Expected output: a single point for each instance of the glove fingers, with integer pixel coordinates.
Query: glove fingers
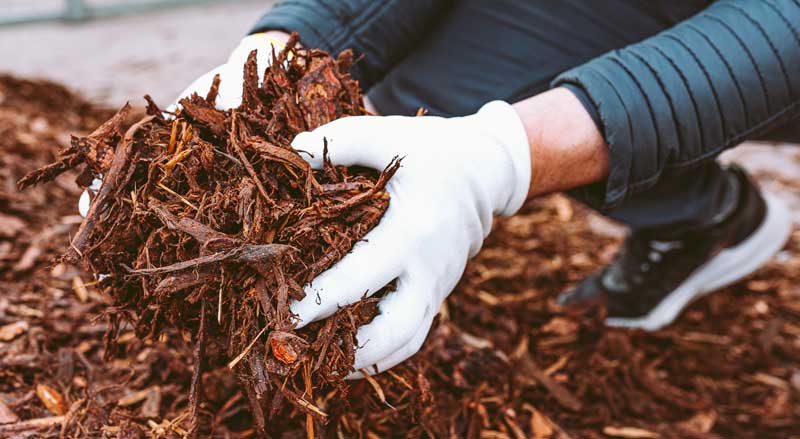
(230, 87)
(201, 86)
(263, 56)
(401, 315)
(85, 201)
(404, 353)
(373, 263)
(352, 141)
(411, 348)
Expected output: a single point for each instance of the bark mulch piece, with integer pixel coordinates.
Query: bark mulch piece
(502, 361)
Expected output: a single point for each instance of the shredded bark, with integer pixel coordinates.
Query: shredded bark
(178, 235)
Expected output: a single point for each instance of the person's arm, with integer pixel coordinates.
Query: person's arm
(608, 129)
(382, 32)
(566, 147)
(681, 97)
(561, 134)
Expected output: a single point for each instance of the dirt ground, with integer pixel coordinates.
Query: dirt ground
(729, 368)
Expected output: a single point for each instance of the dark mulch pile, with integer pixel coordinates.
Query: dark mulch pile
(502, 361)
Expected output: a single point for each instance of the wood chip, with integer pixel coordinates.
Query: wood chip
(492, 434)
(80, 289)
(561, 326)
(13, 330)
(10, 225)
(795, 380)
(540, 425)
(630, 433)
(702, 422)
(25, 311)
(7, 416)
(770, 380)
(52, 399)
(134, 398)
(555, 367)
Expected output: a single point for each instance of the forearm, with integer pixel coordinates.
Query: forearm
(567, 148)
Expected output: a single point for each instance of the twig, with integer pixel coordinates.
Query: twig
(219, 302)
(175, 194)
(243, 254)
(530, 369)
(247, 165)
(197, 377)
(172, 137)
(239, 357)
(302, 402)
(31, 425)
(228, 156)
(375, 386)
(111, 183)
(68, 418)
(310, 393)
(384, 177)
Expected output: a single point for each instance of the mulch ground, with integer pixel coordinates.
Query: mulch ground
(502, 361)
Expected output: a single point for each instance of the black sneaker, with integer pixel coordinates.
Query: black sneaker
(655, 276)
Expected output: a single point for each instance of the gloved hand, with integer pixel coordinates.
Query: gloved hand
(232, 72)
(230, 87)
(456, 174)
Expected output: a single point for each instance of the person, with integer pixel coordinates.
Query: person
(624, 104)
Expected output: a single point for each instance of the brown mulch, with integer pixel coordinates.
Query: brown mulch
(209, 222)
(502, 361)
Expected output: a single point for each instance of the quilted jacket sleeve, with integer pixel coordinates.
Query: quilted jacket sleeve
(678, 98)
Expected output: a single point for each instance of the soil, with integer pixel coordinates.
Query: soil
(502, 361)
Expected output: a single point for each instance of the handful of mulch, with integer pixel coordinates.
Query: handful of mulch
(210, 222)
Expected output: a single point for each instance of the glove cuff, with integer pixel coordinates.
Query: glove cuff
(502, 123)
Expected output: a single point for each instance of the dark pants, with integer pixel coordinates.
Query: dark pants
(511, 50)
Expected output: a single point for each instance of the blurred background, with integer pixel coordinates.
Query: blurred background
(113, 51)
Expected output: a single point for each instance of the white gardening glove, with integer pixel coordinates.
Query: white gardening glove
(456, 174)
(230, 87)
(232, 72)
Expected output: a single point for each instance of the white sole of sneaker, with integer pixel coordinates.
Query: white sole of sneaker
(727, 267)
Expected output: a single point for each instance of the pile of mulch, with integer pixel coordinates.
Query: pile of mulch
(502, 361)
(208, 221)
